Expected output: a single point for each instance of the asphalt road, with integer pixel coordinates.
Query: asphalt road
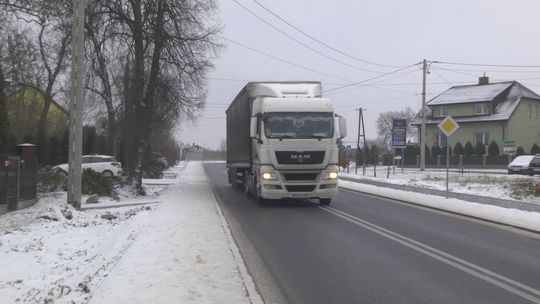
(364, 249)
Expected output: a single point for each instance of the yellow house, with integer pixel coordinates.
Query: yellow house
(24, 105)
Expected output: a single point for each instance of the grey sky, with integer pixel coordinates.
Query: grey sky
(396, 32)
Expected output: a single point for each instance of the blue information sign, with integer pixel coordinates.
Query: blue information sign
(399, 133)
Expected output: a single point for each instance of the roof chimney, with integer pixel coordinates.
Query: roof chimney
(483, 80)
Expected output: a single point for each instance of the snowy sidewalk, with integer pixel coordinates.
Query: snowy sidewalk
(176, 251)
(184, 254)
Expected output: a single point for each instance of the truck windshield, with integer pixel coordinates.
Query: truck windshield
(298, 125)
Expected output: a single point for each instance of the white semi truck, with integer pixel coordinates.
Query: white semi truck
(282, 141)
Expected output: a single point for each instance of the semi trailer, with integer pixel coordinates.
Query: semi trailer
(282, 141)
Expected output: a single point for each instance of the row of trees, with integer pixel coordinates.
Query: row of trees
(146, 62)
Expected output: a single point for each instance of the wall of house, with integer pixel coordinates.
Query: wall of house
(24, 110)
(523, 129)
(466, 133)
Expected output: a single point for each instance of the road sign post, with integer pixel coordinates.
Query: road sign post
(399, 139)
(448, 126)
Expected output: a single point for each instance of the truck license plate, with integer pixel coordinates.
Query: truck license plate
(300, 194)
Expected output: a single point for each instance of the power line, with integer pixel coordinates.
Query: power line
(250, 80)
(300, 42)
(488, 65)
(319, 41)
(285, 61)
(377, 101)
(369, 79)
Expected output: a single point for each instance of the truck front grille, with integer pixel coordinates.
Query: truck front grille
(300, 188)
(297, 157)
(300, 176)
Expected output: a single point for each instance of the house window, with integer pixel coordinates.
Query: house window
(440, 140)
(481, 137)
(481, 108)
(530, 110)
(440, 111)
(537, 111)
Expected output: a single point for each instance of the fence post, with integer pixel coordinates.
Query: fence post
(484, 161)
(438, 161)
(418, 161)
(461, 163)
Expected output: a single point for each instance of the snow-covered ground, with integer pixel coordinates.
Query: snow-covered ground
(513, 217)
(176, 248)
(513, 187)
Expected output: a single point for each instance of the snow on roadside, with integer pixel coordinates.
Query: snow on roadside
(518, 218)
(50, 251)
(502, 186)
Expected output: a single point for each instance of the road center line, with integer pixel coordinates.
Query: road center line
(498, 280)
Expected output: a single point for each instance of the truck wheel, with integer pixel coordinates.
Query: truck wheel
(246, 185)
(325, 201)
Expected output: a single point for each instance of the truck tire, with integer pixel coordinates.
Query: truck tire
(232, 179)
(325, 201)
(246, 185)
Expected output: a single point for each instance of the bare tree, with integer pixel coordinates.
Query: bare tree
(384, 124)
(52, 21)
(102, 45)
(171, 44)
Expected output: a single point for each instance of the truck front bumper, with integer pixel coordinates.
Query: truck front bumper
(284, 187)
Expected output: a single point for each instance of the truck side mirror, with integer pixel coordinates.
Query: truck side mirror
(342, 123)
(253, 129)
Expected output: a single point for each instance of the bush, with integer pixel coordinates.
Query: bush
(468, 149)
(479, 149)
(520, 151)
(535, 149)
(458, 149)
(374, 154)
(493, 149)
(50, 180)
(95, 183)
(443, 150)
(436, 150)
(153, 171)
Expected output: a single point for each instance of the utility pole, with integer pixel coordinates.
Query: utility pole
(357, 142)
(75, 109)
(423, 113)
(361, 133)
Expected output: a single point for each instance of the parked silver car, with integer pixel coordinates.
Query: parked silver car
(525, 164)
(104, 164)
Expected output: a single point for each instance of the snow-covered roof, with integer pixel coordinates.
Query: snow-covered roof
(470, 93)
(507, 94)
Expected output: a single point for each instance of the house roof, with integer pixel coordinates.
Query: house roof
(508, 93)
(11, 88)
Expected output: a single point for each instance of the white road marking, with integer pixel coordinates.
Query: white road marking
(510, 285)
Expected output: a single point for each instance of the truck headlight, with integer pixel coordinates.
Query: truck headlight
(331, 175)
(269, 176)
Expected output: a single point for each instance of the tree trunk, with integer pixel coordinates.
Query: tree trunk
(4, 125)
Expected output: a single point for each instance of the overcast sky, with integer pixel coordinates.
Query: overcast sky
(392, 34)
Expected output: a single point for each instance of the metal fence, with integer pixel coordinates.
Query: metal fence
(461, 161)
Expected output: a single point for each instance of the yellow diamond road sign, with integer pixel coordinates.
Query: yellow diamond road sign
(448, 125)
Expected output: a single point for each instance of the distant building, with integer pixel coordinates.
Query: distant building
(502, 111)
(24, 105)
